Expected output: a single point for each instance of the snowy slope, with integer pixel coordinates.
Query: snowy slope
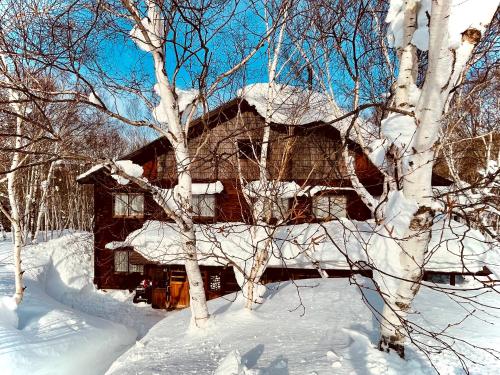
(64, 325)
(329, 330)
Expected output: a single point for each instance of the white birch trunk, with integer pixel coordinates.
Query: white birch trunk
(42, 209)
(260, 210)
(15, 216)
(173, 130)
(445, 68)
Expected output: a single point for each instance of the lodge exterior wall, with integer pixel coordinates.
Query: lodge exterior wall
(307, 155)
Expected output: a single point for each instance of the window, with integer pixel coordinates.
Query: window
(161, 165)
(122, 263)
(214, 283)
(329, 206)
(204, 205)
(248, 149)
(128, 205)
(279, 209)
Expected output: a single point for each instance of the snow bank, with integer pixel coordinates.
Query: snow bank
(340, 244)
(310, 327)
(65, 326)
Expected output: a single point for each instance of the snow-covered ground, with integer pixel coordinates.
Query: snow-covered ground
(64, 325)
(328, 330)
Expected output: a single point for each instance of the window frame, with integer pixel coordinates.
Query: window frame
(330, 214)
(128, 206)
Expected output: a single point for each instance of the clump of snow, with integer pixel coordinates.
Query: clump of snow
(316, 189)
(292, 105)
(464, 15)
(94, 99)
(467, 14)
(398, 129)
(128, 167)
(140, 40)
(395, 19)
(232, 364)
(199, 188)
(8, 314)
(377, 152)
(185, 99)
(399, 212)
(93, 169)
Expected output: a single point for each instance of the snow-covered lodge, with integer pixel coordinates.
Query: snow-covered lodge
(133, 239)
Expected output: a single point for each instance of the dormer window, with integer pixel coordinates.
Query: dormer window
(248, 149)
(128, 205)
(329, 206)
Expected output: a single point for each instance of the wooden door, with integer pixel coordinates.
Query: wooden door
(179, 289)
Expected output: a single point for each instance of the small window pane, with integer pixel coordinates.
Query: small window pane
(204, 205)
(161, 165)
(338, 205)
(121, 261)
(121, 203)
(214, 283)
(333, 206)
(136, 268)
(321, 207)
(279, 208)
(136, 204)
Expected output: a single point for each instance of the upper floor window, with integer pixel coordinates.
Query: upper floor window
(204, 205)
(128, 205)
(329, 206)
(248, 149)
(161, 165)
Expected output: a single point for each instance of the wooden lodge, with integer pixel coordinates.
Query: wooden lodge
(223, 142)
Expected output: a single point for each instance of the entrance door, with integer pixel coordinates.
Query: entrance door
(179, 289)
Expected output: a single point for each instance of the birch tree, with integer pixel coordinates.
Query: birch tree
(433, 43)
(177, 40)
(263, 194)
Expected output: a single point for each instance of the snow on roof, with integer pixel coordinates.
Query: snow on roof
(453, 248)
(199, 188)
(292, 105)
(273, 188)
(286, 189)
(95, 168)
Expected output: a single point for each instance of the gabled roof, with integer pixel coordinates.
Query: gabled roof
(290, 106)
